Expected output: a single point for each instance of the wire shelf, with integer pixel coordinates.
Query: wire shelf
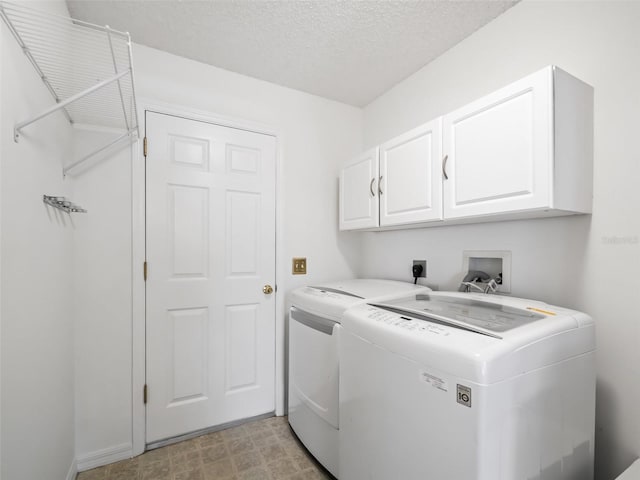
(87, 68)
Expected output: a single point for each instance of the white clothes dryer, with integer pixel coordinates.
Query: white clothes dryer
(314, 331)
(463, 386)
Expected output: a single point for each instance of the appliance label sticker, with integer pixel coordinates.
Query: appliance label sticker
(435, 382)
(464, 395)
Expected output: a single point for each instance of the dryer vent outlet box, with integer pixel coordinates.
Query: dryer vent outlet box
(493, 262)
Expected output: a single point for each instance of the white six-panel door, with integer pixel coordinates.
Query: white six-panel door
(210, 251)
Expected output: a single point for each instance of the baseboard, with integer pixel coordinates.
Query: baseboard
(104, 456)
(73, 471)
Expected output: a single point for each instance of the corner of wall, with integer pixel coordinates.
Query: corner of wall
(73, 471)
(105, 456)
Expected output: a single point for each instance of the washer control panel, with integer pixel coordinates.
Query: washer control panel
(406, 323)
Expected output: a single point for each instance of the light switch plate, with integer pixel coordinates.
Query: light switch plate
(299, 266)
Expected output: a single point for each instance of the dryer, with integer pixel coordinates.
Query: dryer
(314, 331)
(462, 386)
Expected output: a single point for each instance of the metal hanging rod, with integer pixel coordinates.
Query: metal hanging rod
(87, 69)
(61, 203)
(125, 136)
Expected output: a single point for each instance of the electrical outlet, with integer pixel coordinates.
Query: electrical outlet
(423, 263)
(299, 266)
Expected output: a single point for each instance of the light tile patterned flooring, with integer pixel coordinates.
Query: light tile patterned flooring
(260, 450)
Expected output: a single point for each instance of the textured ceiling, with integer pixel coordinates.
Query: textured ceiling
(350, 51)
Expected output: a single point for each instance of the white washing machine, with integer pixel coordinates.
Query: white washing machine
(463, 386)
(314, 331)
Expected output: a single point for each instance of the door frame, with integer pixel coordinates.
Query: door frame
(138, 226)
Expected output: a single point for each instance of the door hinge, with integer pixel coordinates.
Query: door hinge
(144, 147)
(144, 271)
(144, 393)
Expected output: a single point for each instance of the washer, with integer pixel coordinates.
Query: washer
(314, 331)
(461, 386)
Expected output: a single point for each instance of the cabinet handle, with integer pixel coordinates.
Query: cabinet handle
(444, 167)
(380, 185)
(371, 186)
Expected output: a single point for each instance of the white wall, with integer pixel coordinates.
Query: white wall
(37, 384)
(569, 261)
(102, 304)
(316, 136)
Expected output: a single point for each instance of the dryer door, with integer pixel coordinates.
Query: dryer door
(313, 363)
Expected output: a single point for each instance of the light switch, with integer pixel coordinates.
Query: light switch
(299, 266)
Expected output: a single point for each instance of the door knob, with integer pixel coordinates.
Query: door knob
(267, 289)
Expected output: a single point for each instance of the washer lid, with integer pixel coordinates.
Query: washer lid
(482, 317)
(333, 298)
(483, 338)
(371, 287)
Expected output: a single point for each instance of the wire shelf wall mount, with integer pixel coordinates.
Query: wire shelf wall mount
(87, 69)
(61, 203)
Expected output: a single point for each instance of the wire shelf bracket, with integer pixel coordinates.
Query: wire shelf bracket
(19, 126)
(87, 69)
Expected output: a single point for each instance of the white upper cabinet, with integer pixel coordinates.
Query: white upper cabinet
(520, 152)
(359, 192)
(396, 184)
(410, 188)
(524, 151)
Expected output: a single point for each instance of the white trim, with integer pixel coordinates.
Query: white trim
(205, 116)
(73, 471)
(138, 257)
(280, 394)
(104, 457)
(138, 375)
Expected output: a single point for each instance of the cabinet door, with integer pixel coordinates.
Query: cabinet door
(499, 151)
(410, 184)
(358, 192)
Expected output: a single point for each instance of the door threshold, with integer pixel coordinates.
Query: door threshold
(204, 431)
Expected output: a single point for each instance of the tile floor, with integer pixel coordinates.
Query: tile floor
(261, 450)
